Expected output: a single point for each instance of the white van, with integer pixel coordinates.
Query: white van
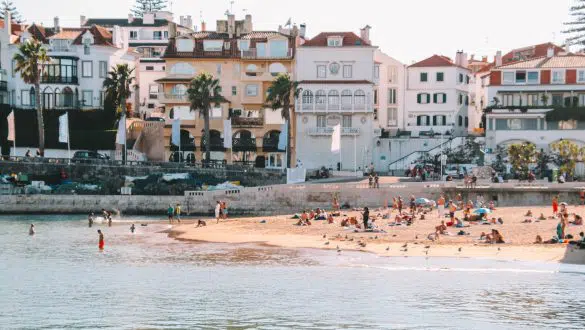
(459, 170)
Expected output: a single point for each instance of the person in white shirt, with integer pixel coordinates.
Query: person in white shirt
(217, 211)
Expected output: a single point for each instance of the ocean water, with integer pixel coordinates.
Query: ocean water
(57, 279)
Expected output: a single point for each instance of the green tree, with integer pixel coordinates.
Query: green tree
(521, 155)
(31, 60)
(542, 160)
(117, 85)
(567, 154)
(205, 91)
(144, 6)
(499, 164)
(576, 27)
(8, 6)
(281, 95)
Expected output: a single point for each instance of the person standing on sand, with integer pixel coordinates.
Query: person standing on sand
(582, 197)
(366, 216)
(555, 205)
(178, 212)
(441, 206)
(217, 211)
(170, 212)
(90, 219)
(101, 242)
(31, 230)
(132, 229)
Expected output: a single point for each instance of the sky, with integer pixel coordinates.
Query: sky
(408, 30)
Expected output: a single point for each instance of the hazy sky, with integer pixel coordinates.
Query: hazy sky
(408, 30)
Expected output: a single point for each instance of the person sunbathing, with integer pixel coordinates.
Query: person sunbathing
(578, 220)
(542, 217)
(440, 229)
(538, 240)
(495, 237)
(201, 223)
(528, 214)
(330, 219)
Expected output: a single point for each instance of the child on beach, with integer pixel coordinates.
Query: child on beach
(441, 206)
(555, 205)
(218, 211)
(101, 242)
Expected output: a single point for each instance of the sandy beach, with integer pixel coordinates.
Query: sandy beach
(519, 236)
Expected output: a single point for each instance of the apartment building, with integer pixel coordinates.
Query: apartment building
(437, 96)
(246, 62)
(389, 93)
(148, 36)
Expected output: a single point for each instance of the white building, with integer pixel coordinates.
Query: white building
(389, 93)
(437, 96)
(149, 37)
(336, 74)
(80, 60)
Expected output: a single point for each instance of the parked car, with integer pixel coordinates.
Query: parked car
(459, 170)
(86, 156)
(155, 119)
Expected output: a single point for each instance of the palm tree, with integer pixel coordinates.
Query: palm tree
(204, 91)
(117, 86)
(281, 94)
(30, 62)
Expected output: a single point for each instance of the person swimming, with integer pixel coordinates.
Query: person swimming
(90, 219)
(101, 242)
(31, 230)
(132, 228)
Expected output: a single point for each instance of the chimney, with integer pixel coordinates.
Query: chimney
(458, 56)
(484, 59)
(365, 34)
(130, 18)
(203, 27)
(248, 24)
(56, 24)
(182, 20)
(295, 31)
(303, 30)
(464, 60)
(189, 22)
(82, 20)
(498, 58)
(550, 52)
(231, 25)
(172, 30)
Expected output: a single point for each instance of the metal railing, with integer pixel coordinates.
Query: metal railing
(329, 131)
(247, 122)
(244, 144)
(253, 53)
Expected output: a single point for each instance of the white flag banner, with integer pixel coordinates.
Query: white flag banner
(227, 134)
(64, 128)
(176, 132)
(283, 137)
(121, 136)
(336, 139)
(11, 132)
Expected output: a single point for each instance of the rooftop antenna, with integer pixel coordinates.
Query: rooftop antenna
(232, 6)
(171, 6)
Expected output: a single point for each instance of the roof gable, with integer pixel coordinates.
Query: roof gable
(434, 61)
(350, 39)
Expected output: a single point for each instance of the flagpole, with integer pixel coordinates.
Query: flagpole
(14, 142)
(68, 141)
(355, 155)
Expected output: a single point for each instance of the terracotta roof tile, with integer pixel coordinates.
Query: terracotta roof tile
(101, 36)
(69, 34)
(555, 62)
(434, 61)
(529, 52)
(349, 39)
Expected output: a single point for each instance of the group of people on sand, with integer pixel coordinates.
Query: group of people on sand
(174, 213)
(318, 215)
(221, 211)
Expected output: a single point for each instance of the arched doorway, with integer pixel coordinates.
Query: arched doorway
(244, 148)
(48, 98)
(275, 156)
(217, 151)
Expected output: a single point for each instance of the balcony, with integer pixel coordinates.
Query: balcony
(173, 98)
(247, 122)
(326, 131)
(334, 107)
(216, 144)
(253, 53)
(270, 144)
(59, 80)
(244, 144)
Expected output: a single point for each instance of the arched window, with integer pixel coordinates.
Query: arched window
(183, 68)
(57, 98)
(251, 70)
(32, 97)
(48, 98)
(360, 99)
(333, 99)
(466, 121)
(276, 68)
(460, 120)
(346, 97)
(67, 97)
(179, 89)
(320, 99)
(307, 99)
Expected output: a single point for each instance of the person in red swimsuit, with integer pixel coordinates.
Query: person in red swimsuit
(101, 241)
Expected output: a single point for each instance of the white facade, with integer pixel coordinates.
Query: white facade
(437, 99)
(389, 103)
(337, 83)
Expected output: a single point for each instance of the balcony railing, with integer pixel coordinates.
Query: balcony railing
(247, 122)
(59, 80)
(216, 144)
(253, 53)
(335, 107)
(270, 144)
(172, 98)
(329, 131)
(244, 144)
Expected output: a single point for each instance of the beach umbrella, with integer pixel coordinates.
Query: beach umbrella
(483, 210)
(422, 201)
(565, 204)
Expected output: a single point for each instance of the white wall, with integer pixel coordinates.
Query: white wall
(147, 78)
(397, 81)
(361, 58)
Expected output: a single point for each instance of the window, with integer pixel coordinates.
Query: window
(507, 100)
(466, 99)
(320, 99)
(557, 99)
(185, 45)
(321, 71)
(149, 68)
(86, 69)
(212, 45)
(321, 122)
(514, 124)
(13, 97)
(423, 98)
(244, 45)
(520, 77)
(467, 80)
(308, 97)
(581, 100)
(251, 70)
(466, 121)
(460, 100)
(151, 105)
(278, 48)
(103, 69)
(153, 91)
(375, 96)
(392, 74)
(440, 98)
(581, 76)
(346, 99)
(87, 99)
(377, 71)
(157, 35)
(86, 49)
(532, 77)
(392, 116)
(568, 124)
(234, 90)
(558, 77)
(392, 96)
(424, 77)
(276, 69)
(423, 120)
(509, 77)
(261, 49)
(25, 97)
(218, 68)
(440, 76)
(251, 90)
(461, 78)
(439, 120)
(133, 35)
(182, 68)
(347, 71)
(346, 122)
(460, 120)
(179, 90)
(333, 100)
(166, 34)
(360, 98)
(334, 42)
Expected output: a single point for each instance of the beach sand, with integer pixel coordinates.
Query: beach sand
(281, 231)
